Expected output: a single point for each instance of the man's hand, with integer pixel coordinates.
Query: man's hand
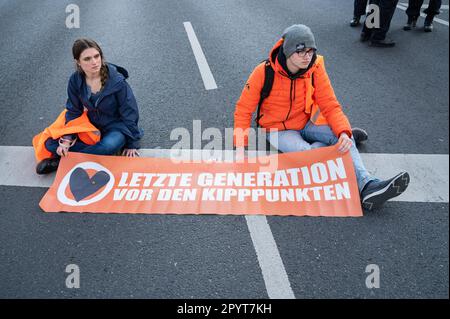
(130, 152)
(344, 143)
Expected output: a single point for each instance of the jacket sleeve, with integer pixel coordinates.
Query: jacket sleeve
(328, 103)
(129, 114)
(247, 104)
(74, 106)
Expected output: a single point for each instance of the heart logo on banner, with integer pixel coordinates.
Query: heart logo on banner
(82, 186)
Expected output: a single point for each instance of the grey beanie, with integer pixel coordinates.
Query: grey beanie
(297, 37)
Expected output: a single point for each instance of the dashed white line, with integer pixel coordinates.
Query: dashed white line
(272, 268)
(205, 71)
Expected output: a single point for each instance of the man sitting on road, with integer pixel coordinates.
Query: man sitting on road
(302, 111)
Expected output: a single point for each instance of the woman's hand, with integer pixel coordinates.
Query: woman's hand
(344, 143)
(130, 152)
(64, 145)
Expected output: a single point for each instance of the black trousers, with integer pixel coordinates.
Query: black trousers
(387, 9)
(360, 8)
(415, 5)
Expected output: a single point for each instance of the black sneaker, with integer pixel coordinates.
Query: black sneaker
(47, 165)
(376, 193)
(364, 36)
(355, 21)
(428, 27)
(359, 135)
(428, 24)
(412, 22)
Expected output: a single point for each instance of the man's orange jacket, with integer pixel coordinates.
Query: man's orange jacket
(291, 103)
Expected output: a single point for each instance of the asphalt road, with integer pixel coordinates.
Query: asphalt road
(399, 95)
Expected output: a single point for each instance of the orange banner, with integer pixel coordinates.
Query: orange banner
(319, 182)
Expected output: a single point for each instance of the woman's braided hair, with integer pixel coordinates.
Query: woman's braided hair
(82, 44)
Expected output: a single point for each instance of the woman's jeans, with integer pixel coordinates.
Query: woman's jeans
(110, 144)
(314, 136)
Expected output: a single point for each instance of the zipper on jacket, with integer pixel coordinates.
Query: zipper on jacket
(290, 101)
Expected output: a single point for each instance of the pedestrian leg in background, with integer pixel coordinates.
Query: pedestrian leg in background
(377, 36)
(358, 12)
(413, 13)
(433, 9)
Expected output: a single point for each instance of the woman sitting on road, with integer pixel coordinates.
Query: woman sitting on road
(100, 89)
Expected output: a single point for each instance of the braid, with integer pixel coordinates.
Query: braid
(103, 74)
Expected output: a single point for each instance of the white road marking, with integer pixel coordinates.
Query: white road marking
(429, 183)
(205, 71)
(429, 172)
(272, 268)
(423, 15)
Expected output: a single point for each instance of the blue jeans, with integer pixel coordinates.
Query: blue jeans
(111, 143)
(314, 136)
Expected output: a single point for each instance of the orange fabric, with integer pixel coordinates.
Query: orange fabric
(286, 110)
(319, 182)
(87, 133)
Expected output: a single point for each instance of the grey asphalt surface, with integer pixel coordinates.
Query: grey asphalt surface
(399, 95)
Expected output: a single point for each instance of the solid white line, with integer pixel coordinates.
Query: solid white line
(429, 172)
(274, 273)
(423, 15)
(205, 71)
(17, 168)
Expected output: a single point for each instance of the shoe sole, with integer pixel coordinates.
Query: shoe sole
(374, 44)
(396, 187)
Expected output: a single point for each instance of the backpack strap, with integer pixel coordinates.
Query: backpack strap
(269, 74)
(267, 87)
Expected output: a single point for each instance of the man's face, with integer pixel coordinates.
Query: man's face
(302, 58)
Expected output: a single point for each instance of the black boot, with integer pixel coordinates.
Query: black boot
(412, 22)
(47, 165)
(386, 43)
(428, 25)
(355, 21)
(364, 37)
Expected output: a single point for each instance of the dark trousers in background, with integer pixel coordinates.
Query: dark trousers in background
(387, 9)
(360, 8)
(415, 5)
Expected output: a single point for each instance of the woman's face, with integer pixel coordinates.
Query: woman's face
(303, 58)
(90, 61)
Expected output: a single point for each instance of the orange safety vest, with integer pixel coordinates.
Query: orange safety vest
(86, 131)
